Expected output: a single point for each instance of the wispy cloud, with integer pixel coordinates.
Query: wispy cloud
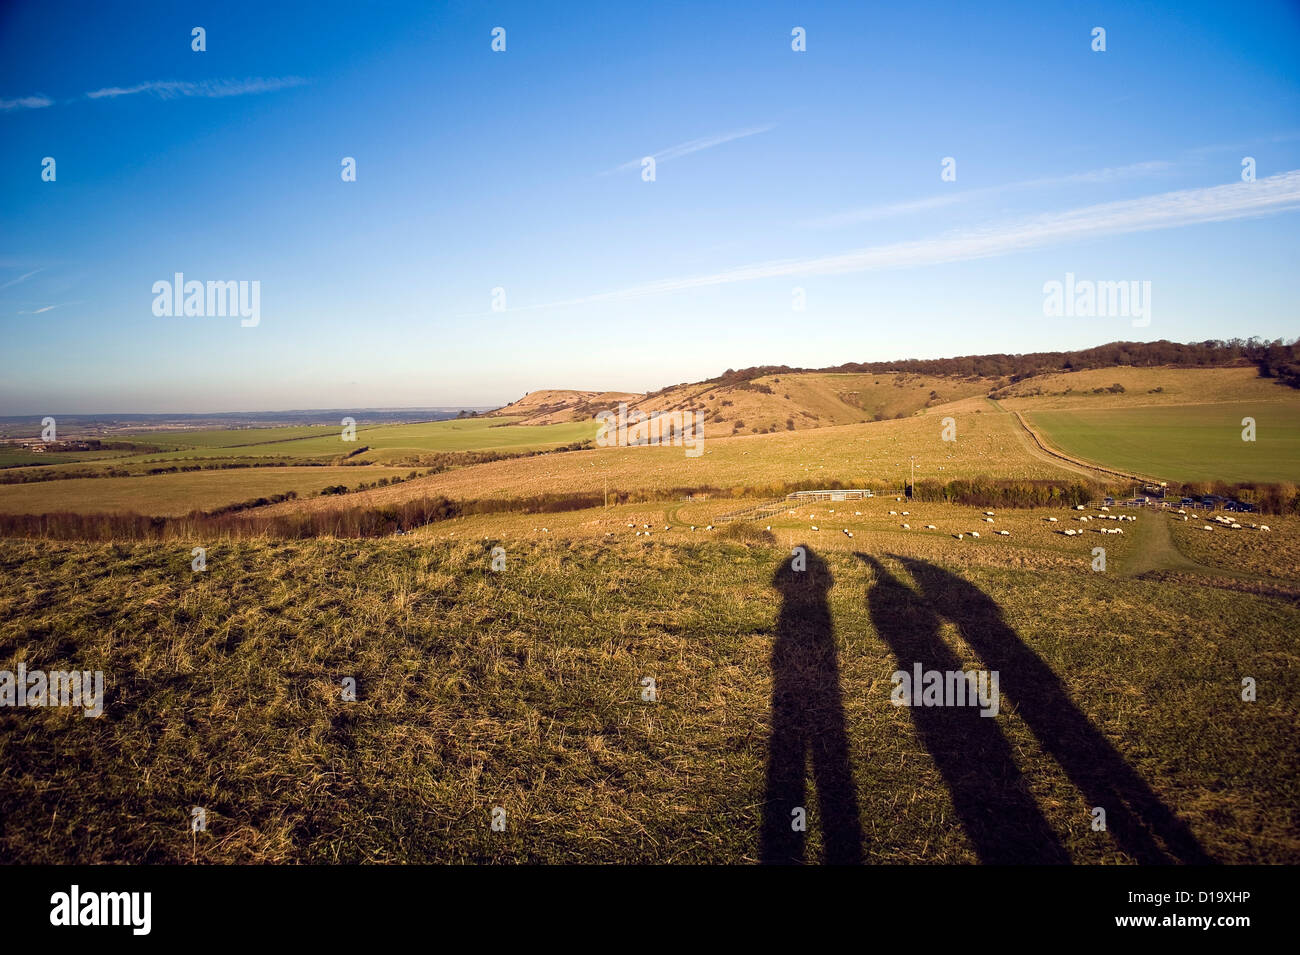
(893, 209)
(692, 146)
(211, 89)
(21, 278)
(1164, 211)
(25, 102)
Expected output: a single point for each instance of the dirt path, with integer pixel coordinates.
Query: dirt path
(1157, 551)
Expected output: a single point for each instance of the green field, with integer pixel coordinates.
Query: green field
(386, 443)
(231, 437)
(1183, 442)
(18, 457)
(177, 494)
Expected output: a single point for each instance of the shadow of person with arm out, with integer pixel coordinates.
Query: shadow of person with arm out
(1135, 816)
(988, 791)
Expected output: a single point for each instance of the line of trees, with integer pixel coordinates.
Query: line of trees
(1274, 359)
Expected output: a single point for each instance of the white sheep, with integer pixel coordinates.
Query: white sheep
(1051, 520)
(1005, 533)
(930, 527)
(816, 528)
(974, 533)
(1263, 527)
(907, 527)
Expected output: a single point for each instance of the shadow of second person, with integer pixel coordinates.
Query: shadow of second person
(807, 723)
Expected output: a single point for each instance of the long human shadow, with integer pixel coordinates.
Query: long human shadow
(988, 790)
(1135, 816)
(808, 721)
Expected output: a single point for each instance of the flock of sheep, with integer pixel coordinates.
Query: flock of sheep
(1231, 523)
(989, 518)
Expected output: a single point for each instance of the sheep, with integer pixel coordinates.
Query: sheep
(692, 527)
(1263, 527)
(974, 533)
(1236, 527)
(893, 513)
(857, 513)
(546, 530)
(816, 528)
(630, 524)
(1080, 507)
(848, 533)
(988, 520)
(768, 528)
(709, 528)
(989, 514)
(930, 527)
(907, 527)
(1051, 520)
(959, 536)
(1068, 532)
(1208, 527)
(638, 533)
(1005, 533)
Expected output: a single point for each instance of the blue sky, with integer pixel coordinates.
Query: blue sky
(521, 170)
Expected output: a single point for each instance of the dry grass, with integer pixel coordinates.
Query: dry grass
(875, 455)
(521, 689)
(1178, 386)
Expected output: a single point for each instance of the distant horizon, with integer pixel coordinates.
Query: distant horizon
(385, 207)
(481, 408)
